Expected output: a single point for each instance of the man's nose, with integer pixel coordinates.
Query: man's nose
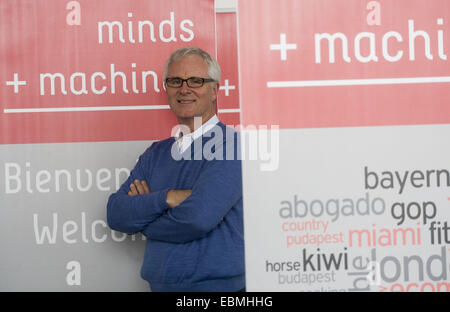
(184, 87)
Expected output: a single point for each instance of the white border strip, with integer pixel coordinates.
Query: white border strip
(97, 109)
(226, 10)
(82, 109)
(230, 110)
(356, 82)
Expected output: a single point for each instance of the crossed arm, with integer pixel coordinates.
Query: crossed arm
(173, 198)
(176, 216)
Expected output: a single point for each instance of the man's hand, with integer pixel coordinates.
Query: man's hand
(138, 188)
(176, 197)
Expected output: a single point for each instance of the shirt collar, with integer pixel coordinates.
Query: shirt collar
(200, 131)
(185, 140)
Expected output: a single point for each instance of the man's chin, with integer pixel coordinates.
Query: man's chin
(183, 113)
(185, 117)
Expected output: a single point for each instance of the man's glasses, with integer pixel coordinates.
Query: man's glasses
(192, 82)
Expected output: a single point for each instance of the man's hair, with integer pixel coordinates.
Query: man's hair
(213, 66)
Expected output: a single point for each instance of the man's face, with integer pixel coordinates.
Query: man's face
(185, 102)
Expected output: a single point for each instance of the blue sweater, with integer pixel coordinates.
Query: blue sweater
(198, 245)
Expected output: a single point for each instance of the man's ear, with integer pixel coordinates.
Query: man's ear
(216, 90)
(214, 101)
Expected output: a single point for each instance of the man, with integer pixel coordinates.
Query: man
(188, 207)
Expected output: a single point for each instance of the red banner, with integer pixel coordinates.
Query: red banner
(362, 63)
(75, 71)
(227, 56)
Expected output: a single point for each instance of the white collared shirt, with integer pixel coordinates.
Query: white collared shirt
(184, 141)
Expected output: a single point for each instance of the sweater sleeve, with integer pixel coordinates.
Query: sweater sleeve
(217, 190)
(131, 214)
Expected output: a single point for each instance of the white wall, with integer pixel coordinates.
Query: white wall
(226, 5)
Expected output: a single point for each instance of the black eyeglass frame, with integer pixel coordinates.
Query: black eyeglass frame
(187, 81)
